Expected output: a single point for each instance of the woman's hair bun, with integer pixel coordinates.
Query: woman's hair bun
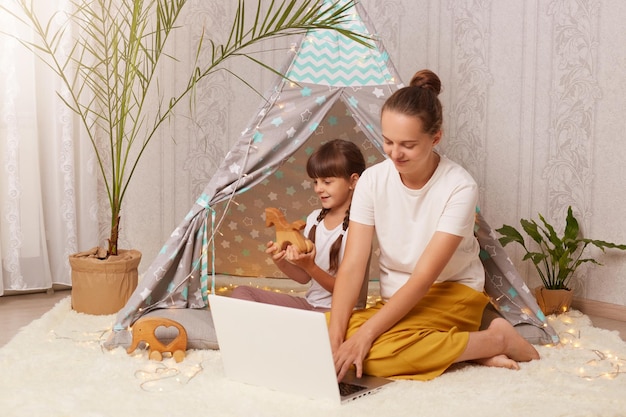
(426, 79)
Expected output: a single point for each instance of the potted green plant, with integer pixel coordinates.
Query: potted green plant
(556, 259)
(111, 76)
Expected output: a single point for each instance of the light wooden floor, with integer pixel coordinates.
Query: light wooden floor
(17, 311)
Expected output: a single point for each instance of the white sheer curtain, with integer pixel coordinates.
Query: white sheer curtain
(47, 174)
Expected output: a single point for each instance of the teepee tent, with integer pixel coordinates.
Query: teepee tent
(332, 88)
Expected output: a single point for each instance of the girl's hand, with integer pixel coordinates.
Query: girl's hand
(305, 261)
(351, 352)
(274, 251)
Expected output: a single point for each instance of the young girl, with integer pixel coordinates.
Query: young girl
(335, 168)
(421, 206)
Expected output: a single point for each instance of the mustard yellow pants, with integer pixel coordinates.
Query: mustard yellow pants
(429, 338)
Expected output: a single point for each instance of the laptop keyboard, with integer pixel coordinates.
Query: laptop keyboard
(346, 388)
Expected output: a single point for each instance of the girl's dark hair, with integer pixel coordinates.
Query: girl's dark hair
(419, 99)
(336, 158)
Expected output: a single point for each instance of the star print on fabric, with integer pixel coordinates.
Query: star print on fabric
(378, 92)
(306, 185)
(512, 292)
(305, 92)
(257, 137)
(332, 120)
(145, 294)
(232, 225)
(497, 280)
(272, 197)
(291, 132)
(234, 168)
(247, 221)
(238, 239)
(320, 100)
(306, 115)
(313, 201)
(158, 274)
(277, 121)
(232, 258)
(245, 253)
(491, 250)
(225, 244)
(296, 205)
(241, 207)
(290, 191)
(374, 109)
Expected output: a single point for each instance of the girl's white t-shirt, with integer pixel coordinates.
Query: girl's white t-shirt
(405, 220)
(316, 295)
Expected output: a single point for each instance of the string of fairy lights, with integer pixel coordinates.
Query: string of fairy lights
(600, 363)
(580, 356)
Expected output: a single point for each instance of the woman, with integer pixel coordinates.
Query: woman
(421, 206)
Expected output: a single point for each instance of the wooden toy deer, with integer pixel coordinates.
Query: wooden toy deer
(287, 233)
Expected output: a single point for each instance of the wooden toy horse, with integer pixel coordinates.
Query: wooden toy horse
(287, 233)
(144, 331)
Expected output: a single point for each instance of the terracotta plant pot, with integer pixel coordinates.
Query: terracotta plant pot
(553, 301)
(102, 287)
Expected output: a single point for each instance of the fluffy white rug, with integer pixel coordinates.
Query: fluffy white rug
(57, 367)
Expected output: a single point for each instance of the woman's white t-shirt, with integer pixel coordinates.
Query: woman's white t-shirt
(405, 220)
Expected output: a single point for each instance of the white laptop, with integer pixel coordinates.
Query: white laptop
(284, 349)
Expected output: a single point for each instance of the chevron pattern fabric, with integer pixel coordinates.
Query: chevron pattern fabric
(328, 58)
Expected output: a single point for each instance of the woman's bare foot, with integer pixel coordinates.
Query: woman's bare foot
(499, 361)
(516, 348)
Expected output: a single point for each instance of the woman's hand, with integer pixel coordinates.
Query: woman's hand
(305, 261)
(351, 352)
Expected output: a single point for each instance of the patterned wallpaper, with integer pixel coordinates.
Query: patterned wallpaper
(534, 96)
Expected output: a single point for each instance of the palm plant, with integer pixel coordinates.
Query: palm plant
(111, 70)
(558, 257)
